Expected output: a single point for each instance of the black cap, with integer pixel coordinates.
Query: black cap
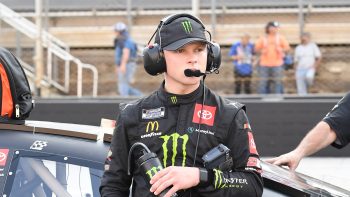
(179, 32)
(273, 24)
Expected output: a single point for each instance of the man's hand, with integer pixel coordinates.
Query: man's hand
(122, 69)
(176, 177)
(238, 57)
(116, 69)
(290, 159)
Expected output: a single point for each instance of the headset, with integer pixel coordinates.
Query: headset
(153, 56)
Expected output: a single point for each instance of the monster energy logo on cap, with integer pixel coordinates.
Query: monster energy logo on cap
(175, 138)
(187, 26)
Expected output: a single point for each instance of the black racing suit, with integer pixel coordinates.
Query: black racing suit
(168, 125)
(339, 120)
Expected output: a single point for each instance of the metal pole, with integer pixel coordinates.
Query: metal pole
(18, 44)
(45, 175)
(49, 52)
(80, 80)
(301, 16)
(129, 16)
(213, 18)
(195, 8)
(61, 174)
(46, 11)
(38, 59)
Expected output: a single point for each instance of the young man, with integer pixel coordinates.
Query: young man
(125, 60)
(173, 123)
(242, 53)
(272, 48)
(307, 57)
(333, 129)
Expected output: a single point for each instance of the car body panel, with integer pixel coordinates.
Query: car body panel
(50, 149)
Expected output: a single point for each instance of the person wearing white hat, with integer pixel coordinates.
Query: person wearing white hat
(125, 60)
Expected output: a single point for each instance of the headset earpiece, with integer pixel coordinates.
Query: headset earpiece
(213, 57)
(153, 59)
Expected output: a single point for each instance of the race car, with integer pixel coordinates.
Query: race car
(44, 159)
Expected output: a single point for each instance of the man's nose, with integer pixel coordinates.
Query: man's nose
(193, 57)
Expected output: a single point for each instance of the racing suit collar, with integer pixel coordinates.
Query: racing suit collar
(177, 99)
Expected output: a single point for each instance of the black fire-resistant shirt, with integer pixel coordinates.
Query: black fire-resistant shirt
(169, 124)
(339, 120)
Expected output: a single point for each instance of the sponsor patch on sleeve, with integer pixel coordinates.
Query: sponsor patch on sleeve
(150, 114)
(247, 126)
(252, 146)
(254, 162)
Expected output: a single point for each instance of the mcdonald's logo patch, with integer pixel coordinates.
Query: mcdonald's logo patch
(152, 126)
(151, 129)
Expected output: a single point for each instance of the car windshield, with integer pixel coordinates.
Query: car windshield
(42, 178)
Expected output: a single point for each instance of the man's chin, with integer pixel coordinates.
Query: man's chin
(192, 80)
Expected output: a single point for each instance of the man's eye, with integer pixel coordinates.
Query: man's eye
(180, 50)
(200, 49)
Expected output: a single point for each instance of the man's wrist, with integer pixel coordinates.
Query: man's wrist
(300, 152)
(205, 177)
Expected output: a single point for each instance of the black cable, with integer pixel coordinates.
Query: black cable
(132, 149)
(199, 125)
(199, 128)
(157, 30)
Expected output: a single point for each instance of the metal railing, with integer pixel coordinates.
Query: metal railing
(54, 46)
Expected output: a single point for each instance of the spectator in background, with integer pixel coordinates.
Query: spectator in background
(272, 48)
(241, 53)
(307, 57)
(125, 60)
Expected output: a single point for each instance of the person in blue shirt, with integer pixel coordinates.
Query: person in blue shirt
(242, 53)
(125, 60)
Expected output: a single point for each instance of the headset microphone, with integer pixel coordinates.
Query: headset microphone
(193, 73)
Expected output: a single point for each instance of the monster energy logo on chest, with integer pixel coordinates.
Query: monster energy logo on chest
(187, 26)
(174, 138)
(173, 99)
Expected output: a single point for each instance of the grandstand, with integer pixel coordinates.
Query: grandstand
(75, 22)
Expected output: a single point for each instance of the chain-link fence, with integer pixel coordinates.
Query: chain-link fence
(87, 29)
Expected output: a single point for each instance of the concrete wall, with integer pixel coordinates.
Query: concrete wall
(278, 125)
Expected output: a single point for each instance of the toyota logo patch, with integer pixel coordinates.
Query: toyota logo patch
(204, 115)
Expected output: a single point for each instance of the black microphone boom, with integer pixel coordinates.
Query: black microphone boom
(193, 73)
